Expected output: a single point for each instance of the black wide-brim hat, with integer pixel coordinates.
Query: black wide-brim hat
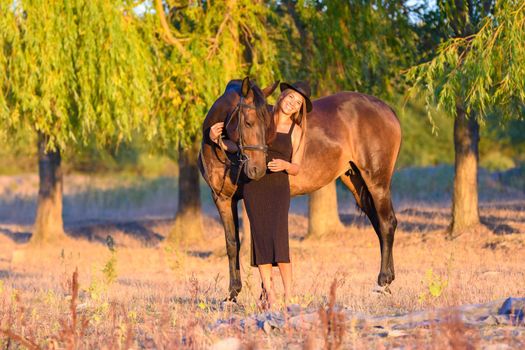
(303, 88)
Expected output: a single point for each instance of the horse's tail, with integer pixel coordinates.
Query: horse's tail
(364, 199)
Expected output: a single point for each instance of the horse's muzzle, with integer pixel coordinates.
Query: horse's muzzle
(254, 172)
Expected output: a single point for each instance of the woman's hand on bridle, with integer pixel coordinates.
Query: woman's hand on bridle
(216, 131)
(276, 165)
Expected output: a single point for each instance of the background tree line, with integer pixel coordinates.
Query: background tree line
(87, 80)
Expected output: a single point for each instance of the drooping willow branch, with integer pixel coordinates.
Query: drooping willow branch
(168, 36)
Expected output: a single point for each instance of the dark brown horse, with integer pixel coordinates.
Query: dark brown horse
(351, 136)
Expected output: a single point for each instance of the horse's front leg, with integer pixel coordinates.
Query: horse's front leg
(228, 211)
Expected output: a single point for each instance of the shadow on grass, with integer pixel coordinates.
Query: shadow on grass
(361, 221)
(425, 220)
(498, 227)
(355, 220)
(413, 227)
(17, 237)
(516, 206)
(427, 214)
(129, 200)
(141, 231)
(200, 254)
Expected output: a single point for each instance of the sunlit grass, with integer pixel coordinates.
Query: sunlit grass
(169, 297)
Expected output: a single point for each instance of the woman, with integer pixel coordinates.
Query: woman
(267, 200)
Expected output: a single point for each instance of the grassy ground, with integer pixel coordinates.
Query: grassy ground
(148, 295)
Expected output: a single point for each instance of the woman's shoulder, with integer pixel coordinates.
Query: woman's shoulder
(297, 130)
(297, 133)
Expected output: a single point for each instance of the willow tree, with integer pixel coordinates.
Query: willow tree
(72, 72)
(481, 69)
(204, 45)
(344, 45)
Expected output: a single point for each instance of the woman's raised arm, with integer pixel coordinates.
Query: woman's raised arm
(215, 136)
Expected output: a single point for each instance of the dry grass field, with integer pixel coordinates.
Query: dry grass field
(144, 294)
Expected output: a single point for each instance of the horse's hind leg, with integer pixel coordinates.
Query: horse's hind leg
(230, 221)
(374, 199)
(387, 227)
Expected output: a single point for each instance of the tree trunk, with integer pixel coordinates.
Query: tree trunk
(306, 36)
(323, 213)
(188, 220)
(465, 213)
(49, 226)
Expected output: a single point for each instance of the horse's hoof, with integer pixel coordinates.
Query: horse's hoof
(384, 290)
(230, 301)
(385, 278)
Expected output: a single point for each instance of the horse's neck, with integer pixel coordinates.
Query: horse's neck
(221, 109)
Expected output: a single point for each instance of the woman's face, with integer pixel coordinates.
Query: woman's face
(291, 103)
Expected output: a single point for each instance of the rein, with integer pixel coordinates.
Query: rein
(242, 157)
(240, 115)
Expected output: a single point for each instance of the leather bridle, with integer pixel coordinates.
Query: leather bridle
(243, 158)
(241, 155)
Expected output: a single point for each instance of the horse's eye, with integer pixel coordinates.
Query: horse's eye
(249, 124)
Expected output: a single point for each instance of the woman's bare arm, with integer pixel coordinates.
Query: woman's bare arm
(215, 135)
(297, 151)
(293, 167)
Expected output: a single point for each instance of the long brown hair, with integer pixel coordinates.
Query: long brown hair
(298, 118)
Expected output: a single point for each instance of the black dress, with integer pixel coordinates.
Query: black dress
(267, 203)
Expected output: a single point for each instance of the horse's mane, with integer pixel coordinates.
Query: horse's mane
(234, 85)
(261, 106)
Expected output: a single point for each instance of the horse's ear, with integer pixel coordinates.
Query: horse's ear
(267, 91)
(246, 87)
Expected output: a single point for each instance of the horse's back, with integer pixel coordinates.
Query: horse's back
(355, 109)
(356, 120)
(344, 127)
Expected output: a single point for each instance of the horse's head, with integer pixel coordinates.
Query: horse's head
(247, 126)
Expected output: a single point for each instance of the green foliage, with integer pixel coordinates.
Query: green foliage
(425, 143)
(95, 76)
(494, 161)
(514, 178)
(96, 290)
(130, 157)
(18, 153)
(431, 29)
(175, 256)
(110, 268)
(424, 183)
(506, 140)
(222, 40)
(75, 71)
(435, 285)
(483, 70)
(435, 184)
(346, 45)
